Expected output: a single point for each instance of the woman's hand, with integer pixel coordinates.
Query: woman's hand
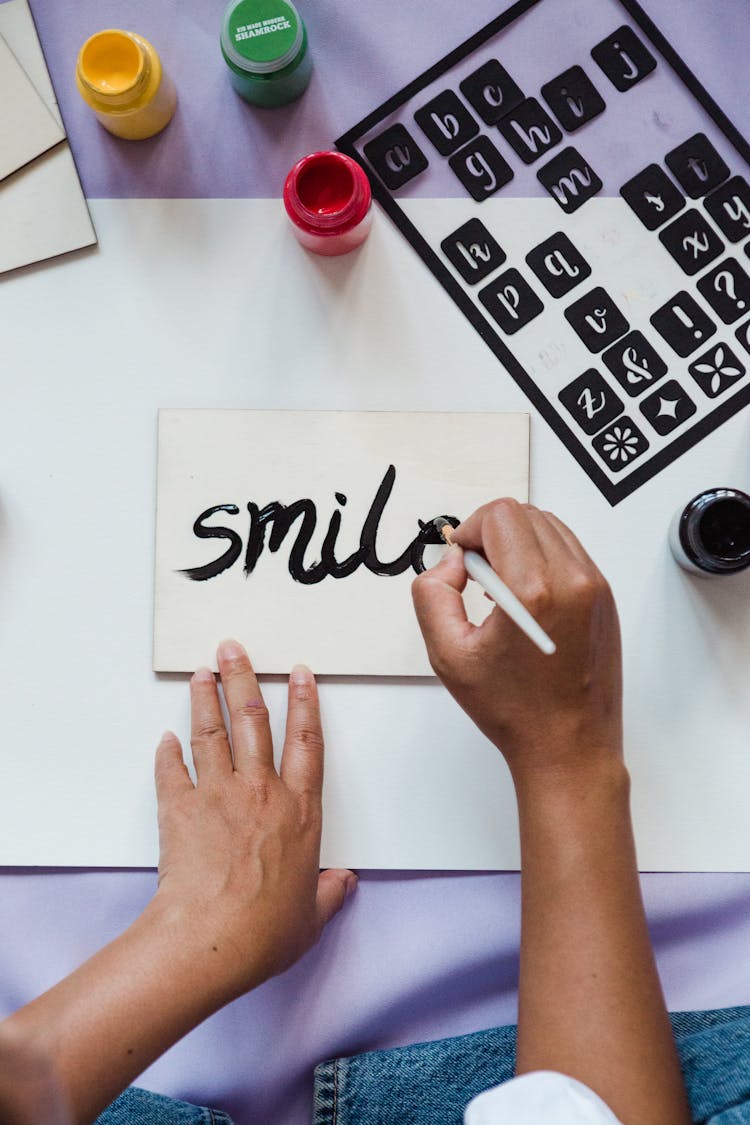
(240, 849)
(239, 898)
(544, 712)
(589, 999)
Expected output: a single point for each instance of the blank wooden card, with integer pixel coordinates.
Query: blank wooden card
(299, 533)
(43, 211)
(27, 128)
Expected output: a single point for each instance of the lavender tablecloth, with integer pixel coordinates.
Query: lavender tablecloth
(411, 957)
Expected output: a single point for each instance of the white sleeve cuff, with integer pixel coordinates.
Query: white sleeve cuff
(539, 1098)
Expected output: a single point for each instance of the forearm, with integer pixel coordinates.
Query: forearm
(106, 1022)
(590, 1001)
(240, 894)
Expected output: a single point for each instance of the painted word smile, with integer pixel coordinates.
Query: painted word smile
(275, 521)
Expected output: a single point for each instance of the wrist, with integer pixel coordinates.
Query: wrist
(561, 789)
(559, 748)
(193, 946)
(575, 825)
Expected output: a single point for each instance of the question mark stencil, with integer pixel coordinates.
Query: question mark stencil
(727, 290)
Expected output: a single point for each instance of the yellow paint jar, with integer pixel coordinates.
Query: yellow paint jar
(119, 75)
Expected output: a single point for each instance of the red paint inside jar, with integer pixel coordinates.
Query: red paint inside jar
(325, 186)
(327, 193)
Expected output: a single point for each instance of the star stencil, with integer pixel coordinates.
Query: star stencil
(668, 408)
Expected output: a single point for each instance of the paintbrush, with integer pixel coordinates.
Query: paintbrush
(480, 570)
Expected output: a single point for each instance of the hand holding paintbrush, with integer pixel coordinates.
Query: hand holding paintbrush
(480, 570)
(587, 975)
(539, 712)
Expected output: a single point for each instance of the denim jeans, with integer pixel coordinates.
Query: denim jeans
(139, 1107)
(431, 1083)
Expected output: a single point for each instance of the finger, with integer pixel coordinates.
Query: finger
(554, 546)
(170, 771)
(248, 715)
(334, 887)
(302, 760)
(504, 533)
(208, 734)
(575, 546)
(440, 609)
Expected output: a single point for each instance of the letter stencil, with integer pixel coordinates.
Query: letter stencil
(447, 122)
(569, 179)
(473, 251)
(615, 222)
(396, 157)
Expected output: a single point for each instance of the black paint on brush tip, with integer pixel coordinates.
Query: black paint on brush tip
(441, 522)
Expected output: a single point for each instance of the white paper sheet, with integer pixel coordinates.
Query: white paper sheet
(410, 782)
(385, 471)
(27, 128)
(43, 211)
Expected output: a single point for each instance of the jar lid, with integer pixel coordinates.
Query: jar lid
(261, 36)
(715, 530)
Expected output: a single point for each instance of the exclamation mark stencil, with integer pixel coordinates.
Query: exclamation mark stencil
(683, 317)
(683, 324)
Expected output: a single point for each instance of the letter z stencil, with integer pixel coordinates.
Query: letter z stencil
(300, 533)
(588, 210)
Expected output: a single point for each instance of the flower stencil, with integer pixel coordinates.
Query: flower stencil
(716, 370)
(620, 443)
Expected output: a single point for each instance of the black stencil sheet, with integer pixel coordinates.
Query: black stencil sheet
(581, 167)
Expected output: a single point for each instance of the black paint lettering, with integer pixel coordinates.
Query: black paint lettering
(256, 537)
(370, 531)
(428, 536)
(282, 521)
(281, 517)
(278, 519)
(230, 556)
(348, 565)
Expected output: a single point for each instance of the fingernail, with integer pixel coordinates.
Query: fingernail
(230, 650)
(203, 676)
(351, 884)
(168, 736)
(300, 674)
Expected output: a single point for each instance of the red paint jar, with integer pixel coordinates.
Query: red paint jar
(327, 197)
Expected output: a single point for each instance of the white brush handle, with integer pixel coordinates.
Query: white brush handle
(481, 571)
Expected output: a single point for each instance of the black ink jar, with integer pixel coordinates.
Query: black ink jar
(712, 534)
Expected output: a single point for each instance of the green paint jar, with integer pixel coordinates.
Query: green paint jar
(264, 44)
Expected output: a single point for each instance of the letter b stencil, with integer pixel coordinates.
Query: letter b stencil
(447, 123)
